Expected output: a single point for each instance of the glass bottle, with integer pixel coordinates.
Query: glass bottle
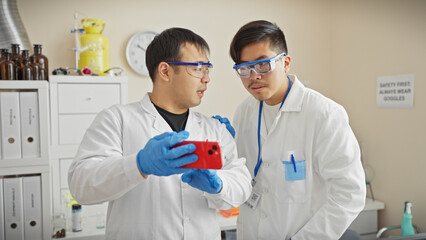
(34, 66)
(15, 56)
(25, 71)
(58, 226)
(407, 225)
(8, 68)
(67, 208)
(3, 50)
(42, 61)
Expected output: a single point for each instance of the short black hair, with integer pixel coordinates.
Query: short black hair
(257, 31)
(166, 47)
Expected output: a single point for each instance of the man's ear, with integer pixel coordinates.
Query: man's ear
(286, 61)
(164, 71)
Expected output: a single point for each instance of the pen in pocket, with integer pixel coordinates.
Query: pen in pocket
(294, 162)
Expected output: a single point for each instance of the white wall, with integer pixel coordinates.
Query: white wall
(339, 46)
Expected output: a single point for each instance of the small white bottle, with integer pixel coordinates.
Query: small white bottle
(76, 218)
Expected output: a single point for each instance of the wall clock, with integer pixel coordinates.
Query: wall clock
(136, 49)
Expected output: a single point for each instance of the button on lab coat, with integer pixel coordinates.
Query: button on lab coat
(105, 169)
(332, 192)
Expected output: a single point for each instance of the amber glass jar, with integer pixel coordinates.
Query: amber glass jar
(7, 68)
(2, 51)
(15, 56)
(42, 61)
(25, 71)
(34, 66)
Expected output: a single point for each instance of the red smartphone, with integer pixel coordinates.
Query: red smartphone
(209, 156)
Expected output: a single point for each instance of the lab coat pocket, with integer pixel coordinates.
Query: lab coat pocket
(292, 179)
(295, 171)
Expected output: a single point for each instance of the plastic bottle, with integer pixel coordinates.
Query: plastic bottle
(42, 61)
(407, 225)
(7, 68)
(94, 47)
(76, 218)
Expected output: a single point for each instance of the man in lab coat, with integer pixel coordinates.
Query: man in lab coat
(125, 156)
(308, 182)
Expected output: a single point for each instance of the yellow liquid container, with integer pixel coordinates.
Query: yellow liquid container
(94, 47)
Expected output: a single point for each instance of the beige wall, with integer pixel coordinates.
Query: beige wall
(49, 22)
(383, 38)
(340, 47)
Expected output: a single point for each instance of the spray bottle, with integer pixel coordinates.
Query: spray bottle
(407, 225)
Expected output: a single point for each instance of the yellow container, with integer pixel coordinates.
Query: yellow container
(94, 47)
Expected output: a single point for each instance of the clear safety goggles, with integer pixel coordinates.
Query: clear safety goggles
(195, 69)
(259, 67)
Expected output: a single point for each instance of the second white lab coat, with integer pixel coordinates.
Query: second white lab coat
(105, 169)
(315, 129)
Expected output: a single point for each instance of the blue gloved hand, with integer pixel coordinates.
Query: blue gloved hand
(225, 121)
(204, 179)
(158, 159)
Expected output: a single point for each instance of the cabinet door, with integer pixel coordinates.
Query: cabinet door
(64, 165)
(365, 223)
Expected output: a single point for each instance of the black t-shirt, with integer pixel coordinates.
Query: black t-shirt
(176, 121)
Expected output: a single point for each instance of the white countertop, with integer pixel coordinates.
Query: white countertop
(373, 205)
(90, 232)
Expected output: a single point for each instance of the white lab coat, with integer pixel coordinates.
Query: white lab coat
(315, 129)
(105, 169)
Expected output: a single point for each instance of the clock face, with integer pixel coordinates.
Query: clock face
(135, 51)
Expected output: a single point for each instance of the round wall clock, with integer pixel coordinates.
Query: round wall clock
(136, 49)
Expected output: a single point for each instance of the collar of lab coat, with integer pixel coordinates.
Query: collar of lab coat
(193, 124)
(294, 100)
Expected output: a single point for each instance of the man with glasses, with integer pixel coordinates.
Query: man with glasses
(308, 182)
(126, 157)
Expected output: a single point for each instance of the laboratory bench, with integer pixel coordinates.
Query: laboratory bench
(365, 224)
(90, 232)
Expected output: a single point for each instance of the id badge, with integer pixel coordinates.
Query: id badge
(253, 200)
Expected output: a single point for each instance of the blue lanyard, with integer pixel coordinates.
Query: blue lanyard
(259, 159)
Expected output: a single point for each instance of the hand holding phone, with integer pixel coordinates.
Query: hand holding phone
(209, 155)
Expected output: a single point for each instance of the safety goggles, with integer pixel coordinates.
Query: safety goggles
(259, 67)
(195, 69)
(65, 71)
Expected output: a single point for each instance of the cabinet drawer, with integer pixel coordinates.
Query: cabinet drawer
(87, 98)
(73, 127)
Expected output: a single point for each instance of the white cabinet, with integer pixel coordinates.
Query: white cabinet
(24, 167)
(366, 224)
(74, 103)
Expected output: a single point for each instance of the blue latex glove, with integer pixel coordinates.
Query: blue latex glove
(158, 159)
(204, 179)
(225, 121)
